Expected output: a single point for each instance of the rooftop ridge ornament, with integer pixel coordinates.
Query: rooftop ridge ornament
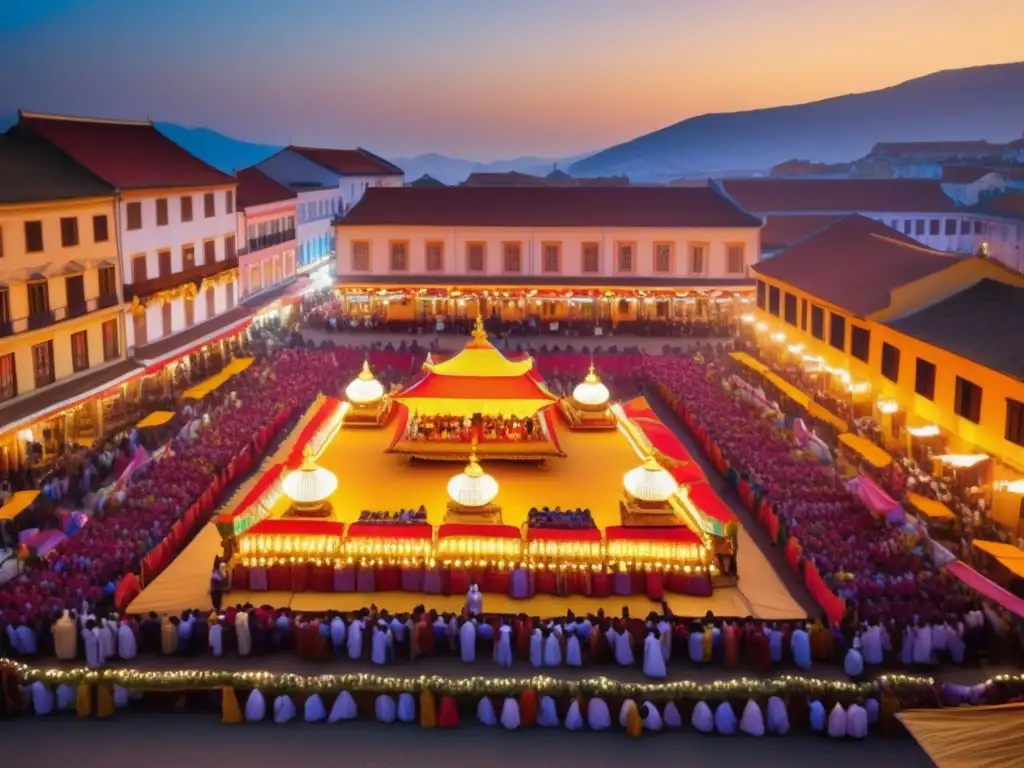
(479, 334)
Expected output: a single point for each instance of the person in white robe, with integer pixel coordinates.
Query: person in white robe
(65, 697)
(548, 715)
(573, 651)
(907, 648)
(611, 635)
(654, 657)
(818, 716)
(854, 662)
(871, 644)
(467, 641)
(344, 708)
(91, 644)
(778, 716)
(503, 647)
(702, 719)
(474, 600)
(337, 634)
(216, 639)
(725, 719)
(380, 645)
(255, 706)
(384, 708)
(510, 713)
(284, 709)
(243, 638)
(537, 648)
(955, 642)
(552, 651)
(354, 641)
(800, 645)
(583, 629)
(837, 722)
(695, 644)
(12, 638)
(313, 711)
(752, 719)
(856, 721)
(671, 715)
(652, 719)
(42, 699)
(873, 711)
(665, 636)
(108, 639)
(126, 645)
(923, 644)
(453, 633)
(624, 649)
(27, 643)
(573, 718)
(406, 708)
(485, 712)
(598, 716)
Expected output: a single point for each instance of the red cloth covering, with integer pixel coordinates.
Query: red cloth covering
(434, 385)
(240, 577)
(327, 410)
(986, 588)
(711, 504)
(419, 531)
(823, 596)
(279, 578)
(496, 582)
(300, 577)
(389, 579)
(287, 526)
(601, 584)
(477, 531)
(655, 586)
(676, 534)
(458, 583)
(321, 579)
(545, 583)
(563, 534)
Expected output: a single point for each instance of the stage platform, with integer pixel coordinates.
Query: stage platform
(185, 585)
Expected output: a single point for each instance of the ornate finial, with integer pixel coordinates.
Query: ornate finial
(478, 327)
(591, 377)
(307, 458)
(473, 469)
(366, 374)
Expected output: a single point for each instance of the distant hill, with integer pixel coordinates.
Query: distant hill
(453, 170)
(973, 103)
(220, 151)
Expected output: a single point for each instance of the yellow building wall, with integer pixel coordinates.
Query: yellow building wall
(988, 436)
(18, 265)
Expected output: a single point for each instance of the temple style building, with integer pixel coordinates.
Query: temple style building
(922, 340)
(61, 328)
(174, 224)
(603, 254)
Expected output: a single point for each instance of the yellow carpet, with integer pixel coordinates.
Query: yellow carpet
(590, 477)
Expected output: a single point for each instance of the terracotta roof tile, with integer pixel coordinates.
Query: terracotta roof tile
(965, 174)
(256, 188)
(32, 171)
(1012, 204)
(973, 324)
(126, 155)
(503, 179)
(781, 229)
(854, 264)
(548, 207)
(349, 162)
(840, 195)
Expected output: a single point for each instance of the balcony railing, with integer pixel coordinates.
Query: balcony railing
(193, 275)
(57, 315)
(267, 241)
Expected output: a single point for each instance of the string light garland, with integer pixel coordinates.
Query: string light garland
(543, 685)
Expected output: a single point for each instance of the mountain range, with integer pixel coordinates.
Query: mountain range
(973, 103)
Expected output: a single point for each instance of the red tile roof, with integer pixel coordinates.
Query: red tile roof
(785, 229)
(350, 162)
(840, 195)
(548, 207)
(935, 147)
(1012, 203)
(126, 155)
(503, 179)
(256, 188)
(854, 264)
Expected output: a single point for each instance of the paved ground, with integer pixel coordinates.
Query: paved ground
(199, 740)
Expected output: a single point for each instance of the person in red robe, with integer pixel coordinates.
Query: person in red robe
(731, 643)
(758, 651)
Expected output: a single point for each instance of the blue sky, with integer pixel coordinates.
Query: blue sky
(476, 78)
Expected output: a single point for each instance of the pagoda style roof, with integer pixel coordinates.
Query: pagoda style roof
(479, 379)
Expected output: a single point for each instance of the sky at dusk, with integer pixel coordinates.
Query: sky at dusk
(481, 79)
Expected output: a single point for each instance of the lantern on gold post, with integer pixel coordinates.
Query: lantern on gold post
(369, 403)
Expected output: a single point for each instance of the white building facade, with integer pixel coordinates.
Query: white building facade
(328, 183)
(266, 232)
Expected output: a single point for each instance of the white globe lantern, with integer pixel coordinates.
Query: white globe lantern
(310, 485)
(364, 389)
(650, 482)
(590, 392)
(472, 487)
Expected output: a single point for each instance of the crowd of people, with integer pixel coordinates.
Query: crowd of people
(560, 519)
(463, 429)
(389, 517)
(862, 558)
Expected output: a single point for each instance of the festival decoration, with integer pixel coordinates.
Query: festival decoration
(365, 388)
(472, 487)
(309, 488)
(650, 482)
